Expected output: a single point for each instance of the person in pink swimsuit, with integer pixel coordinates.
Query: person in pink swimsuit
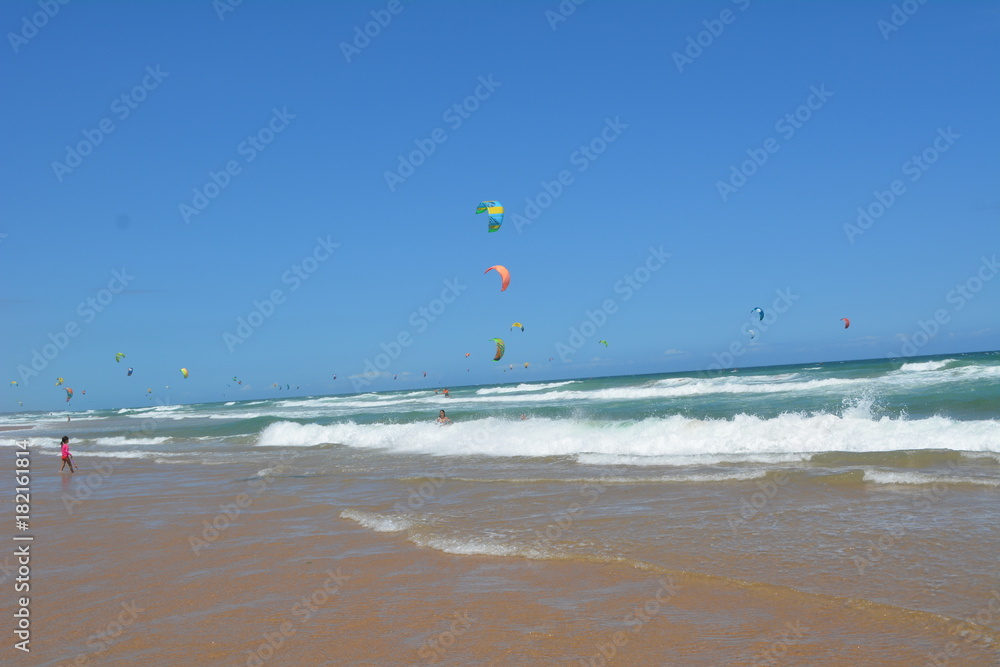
(66, 456)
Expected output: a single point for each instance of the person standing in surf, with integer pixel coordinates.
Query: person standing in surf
(66, 456)
(443, 419)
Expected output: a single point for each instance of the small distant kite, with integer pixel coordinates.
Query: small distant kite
(59, 381)
(526, 364)
(759, 311)
(118, 357)
(13, 383)
(466, 354)
(495, 211)
(846, 322)
(518, 325)
(603, 342)
(69, 394)
(184, 372)
(751, 333)
(504, 275)
(130, 371)
(500, 348)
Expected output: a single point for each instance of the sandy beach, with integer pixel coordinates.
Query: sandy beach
(138, 563)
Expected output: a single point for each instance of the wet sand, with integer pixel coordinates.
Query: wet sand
(128, 569)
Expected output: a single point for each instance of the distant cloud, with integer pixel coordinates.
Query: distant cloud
(673, 351)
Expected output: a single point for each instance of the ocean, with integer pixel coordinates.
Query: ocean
(818, 514)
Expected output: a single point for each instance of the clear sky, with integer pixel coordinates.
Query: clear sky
(170, 167)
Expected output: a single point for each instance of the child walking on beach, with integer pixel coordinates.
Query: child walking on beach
(66, 456)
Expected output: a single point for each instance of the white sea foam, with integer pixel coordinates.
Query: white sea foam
(695, 387)
(153, 409)
(380, 523)
(743, 438)
(523, 387)
(925, 365)
(912, 477)
(126, 440)
(476, 546)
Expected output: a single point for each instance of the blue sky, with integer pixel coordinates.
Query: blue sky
(644, 111)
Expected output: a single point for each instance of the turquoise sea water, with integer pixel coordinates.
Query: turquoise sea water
(843, 414)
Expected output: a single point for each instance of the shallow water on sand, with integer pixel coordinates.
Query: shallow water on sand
(504, 572)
